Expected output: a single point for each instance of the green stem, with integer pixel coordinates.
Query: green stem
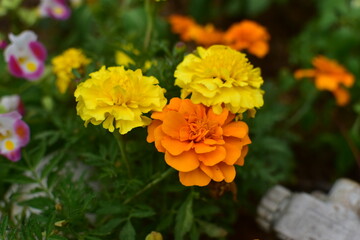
(150, 185)
(149, 23)
(121, 143)
(303, 109)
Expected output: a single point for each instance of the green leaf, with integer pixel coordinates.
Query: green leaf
(36, 154)
(184, 219)
(109, 226)
(212, 230)
(111, 209)
(20, 179)
(57, 237)
(142, 212)
(127, 232)
(38, 202)
(52, 164)
(3, 225)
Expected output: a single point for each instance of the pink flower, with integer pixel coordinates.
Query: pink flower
(11, 103)
(25, 56)
(57, 9)
(3, 44)
(14, 134)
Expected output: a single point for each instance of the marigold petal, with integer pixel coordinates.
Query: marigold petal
(174, 146)
(228, 171)
(151, 130)
(233, 147)
(194, 178)
(326, 82)
(244, 152)
(184, 162)
(236, 129)
(203, 148)
(342, 96)
(219, 118)
(172, 124)
(304, 73)
(259, 48)
(214, 172)
(214, 157)
(159, 135)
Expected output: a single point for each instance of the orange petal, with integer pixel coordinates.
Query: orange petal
(187, 107)
(259, 48)
(184, 133)
(241, 159)
(158, 135)
(174, 104)
(214, 157)
(236, 129)
(203, 148)
(304, 73)
(228, 171)
(194, 178)
(326, 82)
(185, 162)
(158, 115)
(230, 117)
(233, 148)
(174, 146)
(172, 124)
(213, 172)
(342, 96)
(151, 129)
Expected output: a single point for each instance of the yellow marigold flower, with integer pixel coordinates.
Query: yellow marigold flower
(220, 76)
(63, 64)
(117, 98)
(331, 76)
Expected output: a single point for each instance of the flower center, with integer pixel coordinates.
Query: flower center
(9, 145)
(199, 129)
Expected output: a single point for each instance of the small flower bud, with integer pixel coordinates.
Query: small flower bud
(154, 236)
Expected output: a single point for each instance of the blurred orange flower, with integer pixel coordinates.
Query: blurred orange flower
(189, 30)
(248, 35)
(331, 76)
(200, 144)
(243, 35)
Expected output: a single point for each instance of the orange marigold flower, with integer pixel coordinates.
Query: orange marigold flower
(200, 144)
(189, 30)
(248, 35)
(205, 35)
(181, 25)
(331, 76)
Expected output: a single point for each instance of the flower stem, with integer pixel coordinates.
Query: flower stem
(296, 117)
(149, 25)
(121, 143)
(150, 184)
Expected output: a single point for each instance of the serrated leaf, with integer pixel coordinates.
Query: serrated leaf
(184, 219)
(38, 202)
(127, 232)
